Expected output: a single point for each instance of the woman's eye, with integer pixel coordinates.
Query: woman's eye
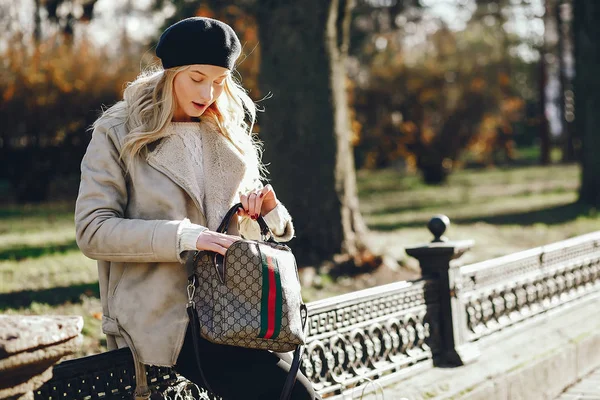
(220, 82)
(196, 80)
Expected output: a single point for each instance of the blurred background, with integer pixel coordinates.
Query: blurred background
(460, 107)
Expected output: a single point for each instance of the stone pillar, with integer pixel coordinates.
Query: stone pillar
(29, 348)
(439, 261)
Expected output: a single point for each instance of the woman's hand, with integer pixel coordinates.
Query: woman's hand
(258, 202)
(214, 241)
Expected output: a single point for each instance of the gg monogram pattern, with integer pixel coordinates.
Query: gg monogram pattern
(258, 280)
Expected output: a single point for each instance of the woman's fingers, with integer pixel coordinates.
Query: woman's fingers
(244, 201)
(218, 249)
(226, 240)
(252, 201)
(266, 189)
(252, 204)
(214, 241)
(269, 199)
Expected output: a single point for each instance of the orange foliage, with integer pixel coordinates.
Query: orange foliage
(503, 79)
(50, 93)
(478, 84)
(426, 106)
(54, 89)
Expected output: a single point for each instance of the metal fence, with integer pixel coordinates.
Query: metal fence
(371, 334)
(495, 294)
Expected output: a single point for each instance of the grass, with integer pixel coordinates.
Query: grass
(43, 272)
(504, 210)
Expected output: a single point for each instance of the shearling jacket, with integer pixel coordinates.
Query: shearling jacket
(128, 221)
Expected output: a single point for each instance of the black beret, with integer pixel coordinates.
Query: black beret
(198, 40)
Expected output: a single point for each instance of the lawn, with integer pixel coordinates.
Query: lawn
(503, 210)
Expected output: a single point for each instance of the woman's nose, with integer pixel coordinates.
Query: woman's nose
(206, 92)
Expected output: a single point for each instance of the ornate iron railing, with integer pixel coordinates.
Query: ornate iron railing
(380, 332)
(370, 334)
(481, 299)
(495, 294)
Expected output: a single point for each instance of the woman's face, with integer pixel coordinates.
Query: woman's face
(196, 88)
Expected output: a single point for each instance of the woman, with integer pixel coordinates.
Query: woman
(163, 167)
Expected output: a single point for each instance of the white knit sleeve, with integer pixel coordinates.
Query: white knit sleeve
(280, 223)
(276, 219)
(187, 235)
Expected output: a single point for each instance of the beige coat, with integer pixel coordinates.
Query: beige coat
(129, 222)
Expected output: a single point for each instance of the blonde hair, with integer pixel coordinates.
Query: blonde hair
(149, 104)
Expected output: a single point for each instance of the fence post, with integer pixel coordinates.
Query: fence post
(438, 260)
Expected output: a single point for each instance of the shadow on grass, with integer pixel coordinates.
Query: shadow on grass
(548, 216)
(37, 211)
(392, 226)
(413, 207)
(54, 296)
(388, 184)
(20, 252)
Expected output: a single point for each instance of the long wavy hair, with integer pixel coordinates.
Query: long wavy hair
(149, 104)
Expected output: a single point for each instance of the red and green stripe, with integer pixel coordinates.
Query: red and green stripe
(270, 313)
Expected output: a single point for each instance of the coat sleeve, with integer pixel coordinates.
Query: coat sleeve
(102, 231)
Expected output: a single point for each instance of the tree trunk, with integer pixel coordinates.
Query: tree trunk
(306, 126)
(586, 26)
(564, 47)
(37, 23)
(435, 161)
(543, 128)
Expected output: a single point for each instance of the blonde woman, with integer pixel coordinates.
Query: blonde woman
(163, 167)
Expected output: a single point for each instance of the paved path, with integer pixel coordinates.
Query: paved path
(586, 389)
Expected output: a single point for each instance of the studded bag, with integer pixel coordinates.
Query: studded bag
(248, 298)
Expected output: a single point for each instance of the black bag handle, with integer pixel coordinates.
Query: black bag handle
(265, 231)
(219, 260)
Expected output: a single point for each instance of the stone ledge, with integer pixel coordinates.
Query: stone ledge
(26, 372)
(19, 333)
(30, 346)
(534, 362)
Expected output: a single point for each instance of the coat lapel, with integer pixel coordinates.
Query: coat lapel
(216, 181)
